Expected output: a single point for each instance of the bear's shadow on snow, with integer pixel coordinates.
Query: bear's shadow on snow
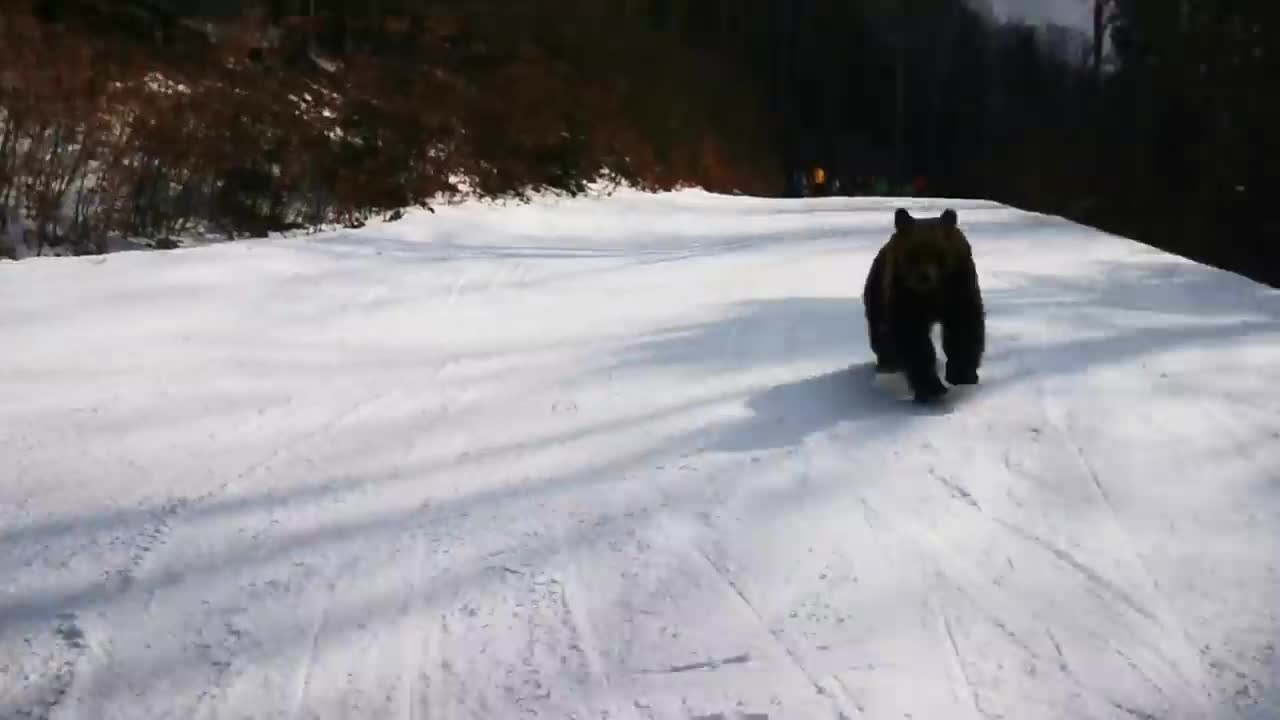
(786, 414)
(775, 333)
(757, 334)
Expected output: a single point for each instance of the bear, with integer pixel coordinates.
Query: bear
(925, 275)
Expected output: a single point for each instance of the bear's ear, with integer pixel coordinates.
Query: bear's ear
(902, 219)
(949, 219)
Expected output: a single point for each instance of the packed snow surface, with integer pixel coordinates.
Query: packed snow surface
(627, 458)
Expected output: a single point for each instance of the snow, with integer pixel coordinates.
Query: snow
(625, 457)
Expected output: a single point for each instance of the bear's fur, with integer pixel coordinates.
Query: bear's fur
(925, 274)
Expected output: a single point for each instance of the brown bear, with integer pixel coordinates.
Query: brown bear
(925, 275)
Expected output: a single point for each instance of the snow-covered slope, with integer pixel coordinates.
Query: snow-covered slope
(626, 458)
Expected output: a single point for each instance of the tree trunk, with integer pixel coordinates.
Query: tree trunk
(1099, 16)
(725, 41)
(900, 106)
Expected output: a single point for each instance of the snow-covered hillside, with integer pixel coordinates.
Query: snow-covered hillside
(626, 458)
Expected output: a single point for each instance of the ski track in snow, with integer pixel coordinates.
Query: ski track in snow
(626, 458)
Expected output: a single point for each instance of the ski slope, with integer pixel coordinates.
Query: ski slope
(627, 458)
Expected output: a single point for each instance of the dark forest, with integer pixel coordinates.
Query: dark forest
(152, 118)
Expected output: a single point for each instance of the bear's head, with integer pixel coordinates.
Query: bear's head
(926, 248)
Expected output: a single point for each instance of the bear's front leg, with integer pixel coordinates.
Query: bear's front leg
(877, 314)
(916, 352)
(964, 338)
(882, 347)
(961, 342)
